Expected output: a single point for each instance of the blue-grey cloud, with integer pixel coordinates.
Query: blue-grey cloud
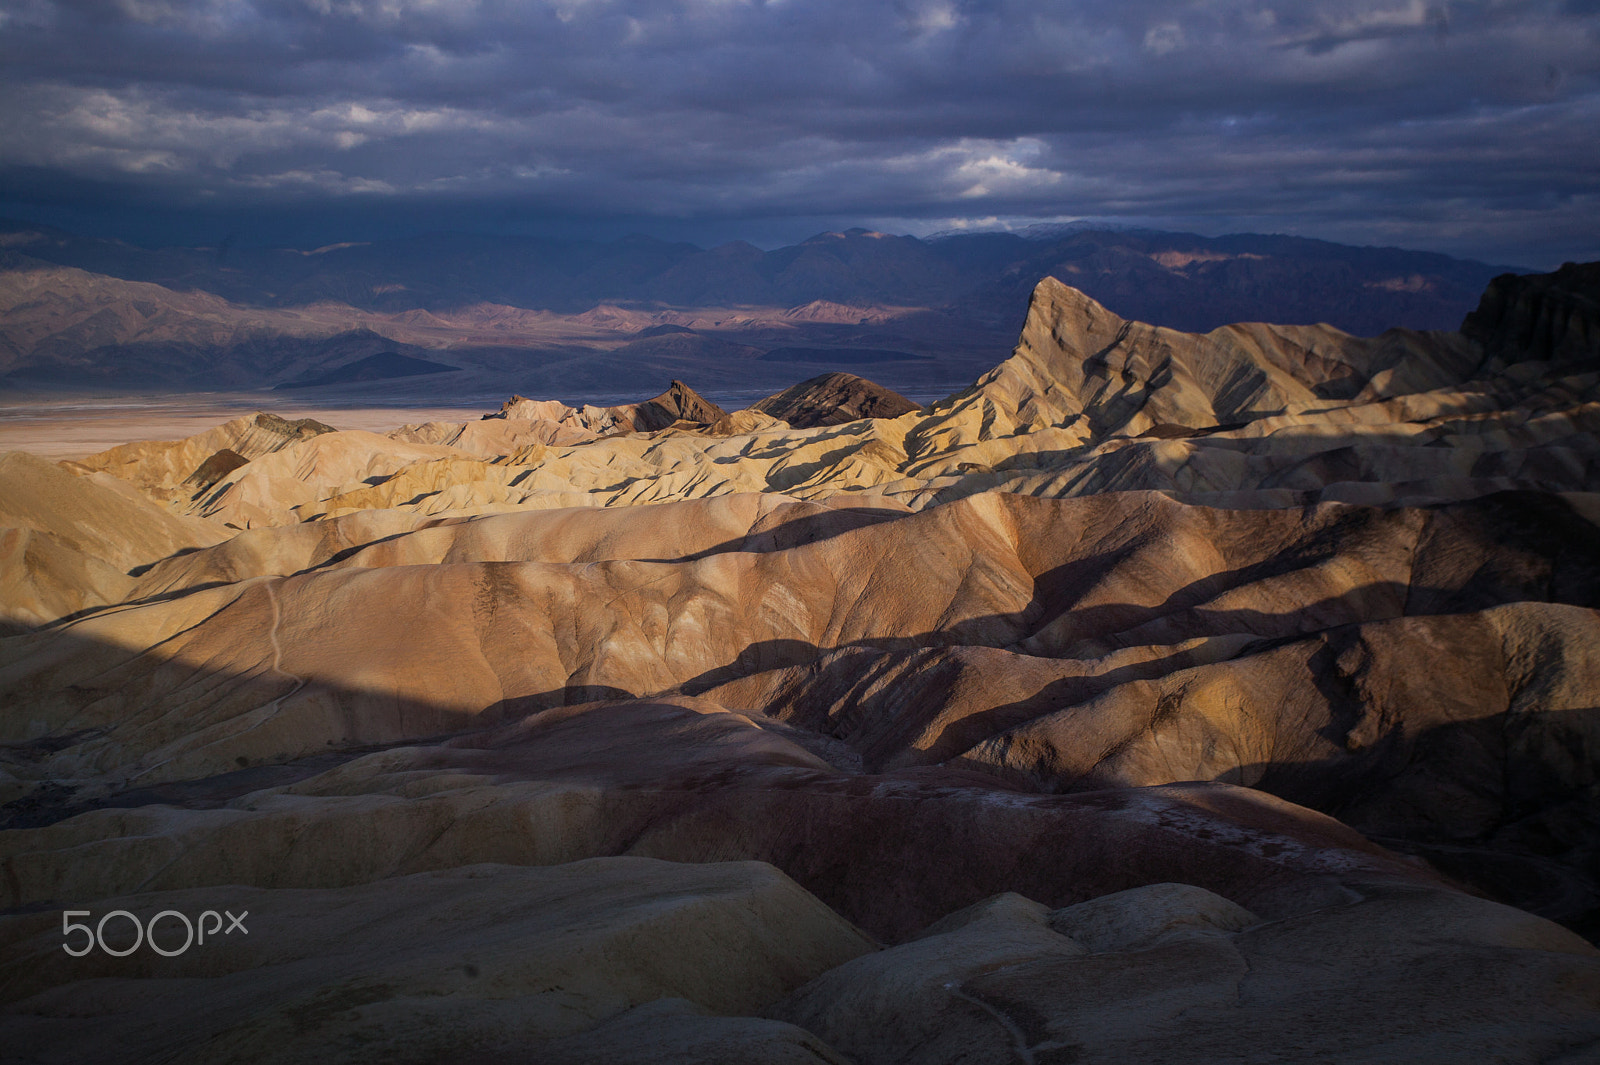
(1461, 125)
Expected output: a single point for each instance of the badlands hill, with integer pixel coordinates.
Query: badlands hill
(1224, 697)
(833, 399)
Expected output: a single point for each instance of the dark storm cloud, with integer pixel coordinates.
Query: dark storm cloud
(1460, 125)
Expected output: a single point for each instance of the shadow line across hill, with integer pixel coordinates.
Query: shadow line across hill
(1532, 854)
(860, 721)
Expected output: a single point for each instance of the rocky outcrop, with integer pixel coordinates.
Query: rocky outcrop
(833, 399)
(214, 469)
(1088, 374)
(1541, 317)
(679, 403)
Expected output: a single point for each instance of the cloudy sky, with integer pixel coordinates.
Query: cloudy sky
(1467, 127)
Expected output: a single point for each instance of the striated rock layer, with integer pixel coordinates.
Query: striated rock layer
(1062, 720)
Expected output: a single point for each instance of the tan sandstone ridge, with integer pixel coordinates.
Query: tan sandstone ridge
(1159, 697)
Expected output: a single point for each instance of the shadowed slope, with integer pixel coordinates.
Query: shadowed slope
(1110, 640)
(833, 399)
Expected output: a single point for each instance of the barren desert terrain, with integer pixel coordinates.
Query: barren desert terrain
(1161, 696)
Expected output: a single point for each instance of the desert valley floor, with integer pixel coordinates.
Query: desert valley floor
(1161, 697)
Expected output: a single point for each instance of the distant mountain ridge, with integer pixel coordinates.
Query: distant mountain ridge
(1179, 280)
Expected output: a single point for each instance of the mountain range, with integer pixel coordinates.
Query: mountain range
(77, 311)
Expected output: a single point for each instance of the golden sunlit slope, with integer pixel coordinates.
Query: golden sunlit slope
(70, 543)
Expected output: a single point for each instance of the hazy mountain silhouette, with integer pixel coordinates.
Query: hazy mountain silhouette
(1180, 280)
